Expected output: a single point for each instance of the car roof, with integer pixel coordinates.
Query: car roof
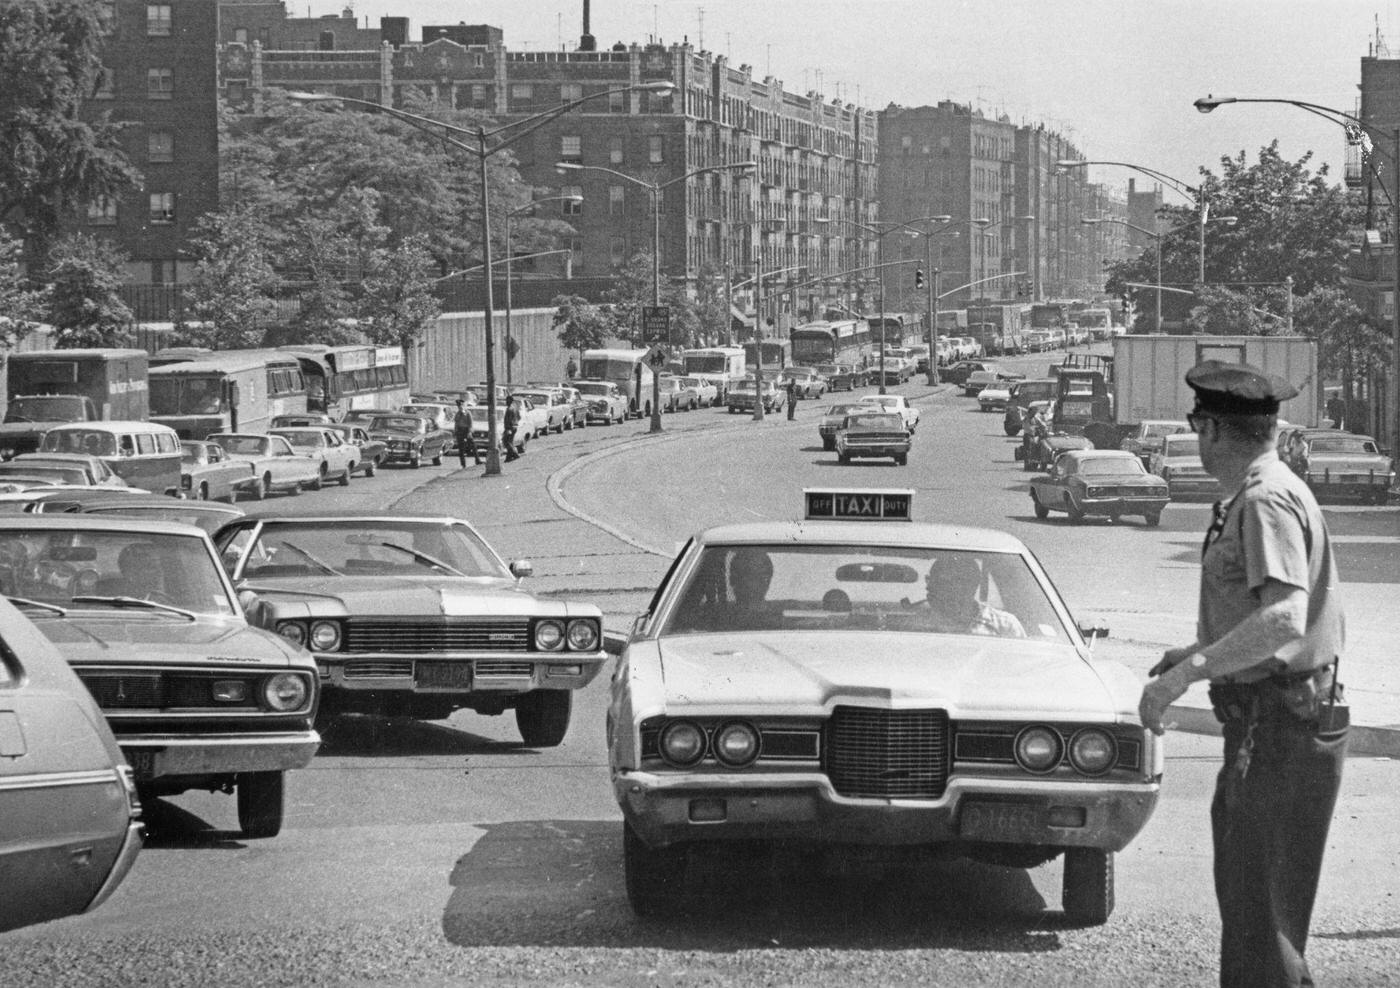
(86, 458)
(280, 430)
(91, 523)
(892, 533)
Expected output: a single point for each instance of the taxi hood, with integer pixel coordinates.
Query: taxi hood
(809, 672)
(111, 637)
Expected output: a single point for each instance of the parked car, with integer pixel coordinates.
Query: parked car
(410, 616)
(276, 466)
(783, 688)
(958, 373)
(207, 473)
(873, 432)
(578, 406)
(208, 515)
(95, 472)
(536, 419)
(743, 393)
(606, 401)
(1147, 439)
(295, 421)
(676, 395)
(1343, 464)
(558, 412)
(919, 352)
(895, 403)
(706, 391)
(481, 438)
(197, 698)
(372, 451)
(894, 370)
(409, 439)
(70, 817)
(808, 381)
(71, 475)
(1178, 462)
(364, 416)
(1109, 483)
(335, 458)
(440, 413)
(832, 418)
(843, 377)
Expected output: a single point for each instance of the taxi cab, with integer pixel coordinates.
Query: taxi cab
(857, 678)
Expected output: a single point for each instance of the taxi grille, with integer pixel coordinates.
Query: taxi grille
(163, 691)
(440, 636)
(888, 754)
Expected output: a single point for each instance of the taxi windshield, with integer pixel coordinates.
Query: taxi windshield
(786, 587)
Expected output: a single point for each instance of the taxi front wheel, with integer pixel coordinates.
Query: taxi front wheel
(1087, 888)
(653, 875)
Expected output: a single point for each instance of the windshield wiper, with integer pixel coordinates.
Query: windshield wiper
(310, 558)
(154, 605)
(423, 557)
(26, 602)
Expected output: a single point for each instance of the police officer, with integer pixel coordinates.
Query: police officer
(509, 423)
(791, 399)
(462, 432)
(1269, 636)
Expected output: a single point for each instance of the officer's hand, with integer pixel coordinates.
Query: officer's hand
(1170, 658)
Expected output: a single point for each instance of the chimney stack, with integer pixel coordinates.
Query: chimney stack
(587, 42)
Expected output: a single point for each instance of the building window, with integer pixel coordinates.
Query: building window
(106, 86)
(160, 146)
(570, 91)
(617, 201)
(160, 83)
(572, 207)
(521, 91)
(617, 102)
(162, 207)
(102, 211)
(571, 149)
(575, 256)
(240, 35)
(617, 252)
(655, 149)
(163, 272)
(615, 150)
(158, 20)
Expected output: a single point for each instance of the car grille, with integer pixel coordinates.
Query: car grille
(440, 636)
(875, 439)
(1120, 491)
(888, 754)
(162, 691)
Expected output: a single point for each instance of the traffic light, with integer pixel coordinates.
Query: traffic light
(918, 277)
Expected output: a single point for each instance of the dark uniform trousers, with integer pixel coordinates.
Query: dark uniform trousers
(1284, 750)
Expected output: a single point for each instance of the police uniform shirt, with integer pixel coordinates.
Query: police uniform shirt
(1266, 533)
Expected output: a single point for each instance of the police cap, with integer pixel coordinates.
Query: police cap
(1237, 389)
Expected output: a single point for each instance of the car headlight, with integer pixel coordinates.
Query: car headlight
(736, 744)
(583, 635)
(549, 636)
(682, 743)
(292, 631)
(1093, 751)
(1038, 749)
(285, 691)
(325, 636)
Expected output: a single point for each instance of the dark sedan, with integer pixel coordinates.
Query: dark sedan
(1106, 483)
(409, 439)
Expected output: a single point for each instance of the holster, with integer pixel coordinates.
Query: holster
(1313, 698)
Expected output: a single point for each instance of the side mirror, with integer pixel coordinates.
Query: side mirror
(522, 568)
(1093, 628)
(614, 642)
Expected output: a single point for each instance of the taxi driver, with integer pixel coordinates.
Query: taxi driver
(952, 604)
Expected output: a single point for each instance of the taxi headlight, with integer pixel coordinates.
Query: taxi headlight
(1093, 751)
(736, 744)
(325, 636)
(285, 691)
(549, 636)
(682, 743)
(293, 631)
(1038, 749)
(583, 635)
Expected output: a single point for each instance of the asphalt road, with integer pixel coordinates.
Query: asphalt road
(449, 853)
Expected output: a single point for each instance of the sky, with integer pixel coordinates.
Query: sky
(1118, 77)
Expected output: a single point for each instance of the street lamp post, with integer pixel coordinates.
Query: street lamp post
(1095, 221)
(654, 190)
(510, 256)
(935, 274)
(1351, 125)
(483, 149)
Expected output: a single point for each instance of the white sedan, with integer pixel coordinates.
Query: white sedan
(336, 459)
(895, 403)
(707, 392)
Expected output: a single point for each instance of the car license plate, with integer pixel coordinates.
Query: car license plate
(457, 675)
(1002, 821)
(142, 761)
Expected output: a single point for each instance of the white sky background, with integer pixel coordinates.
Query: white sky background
(1116, 76)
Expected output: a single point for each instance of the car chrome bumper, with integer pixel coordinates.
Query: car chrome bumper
(126, 857)
(886, 449)
(157, 755)
(1122, 505)
(447, 673)
(663, 811)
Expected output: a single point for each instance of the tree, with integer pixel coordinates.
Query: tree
(231, 295)
(581, 325)
(85, 304)
(398, 303)
(633, 291)
(21, 305)
(711, 308)
(52, 161)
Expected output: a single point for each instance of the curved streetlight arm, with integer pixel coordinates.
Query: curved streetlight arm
(1096, 221)
(1340, 117)
(1190, 191)
(569, 166)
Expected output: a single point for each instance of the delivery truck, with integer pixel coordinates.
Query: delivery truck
(50, 387)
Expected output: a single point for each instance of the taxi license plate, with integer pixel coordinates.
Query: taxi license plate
(457, 675)
(142, 761)
(1002, 821)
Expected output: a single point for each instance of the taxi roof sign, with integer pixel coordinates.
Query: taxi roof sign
(835, 504)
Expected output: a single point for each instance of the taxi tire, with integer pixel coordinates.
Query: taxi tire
(542, 717)
(653, 876)
(260, 801)
(1087, 888)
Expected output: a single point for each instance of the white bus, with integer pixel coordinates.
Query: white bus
(628, 369)
(720, 365)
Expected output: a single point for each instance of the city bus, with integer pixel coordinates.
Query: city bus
(889, 326)
(226, 391)
(777, 354)
(340, 379)
(844, 341)
(628, 369)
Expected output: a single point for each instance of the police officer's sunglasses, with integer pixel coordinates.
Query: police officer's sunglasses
(1197, 421)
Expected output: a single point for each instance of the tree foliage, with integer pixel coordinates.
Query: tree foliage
(21, 305)
(581, 325)
(85, 304)
(52, 160)
(398, 300)
(231, 293)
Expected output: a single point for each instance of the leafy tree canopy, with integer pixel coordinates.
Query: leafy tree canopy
(85, 304)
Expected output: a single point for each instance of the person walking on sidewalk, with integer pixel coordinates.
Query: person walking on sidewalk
(509, 423)
(791, 399)
(1269, 637)
(462, 432)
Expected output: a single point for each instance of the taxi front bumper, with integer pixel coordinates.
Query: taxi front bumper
(671, 809)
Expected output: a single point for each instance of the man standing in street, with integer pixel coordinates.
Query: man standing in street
(462, 432)
(1269, 638)
(509, 423)
(791, 399)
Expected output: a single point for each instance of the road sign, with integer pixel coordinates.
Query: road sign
(656, 323)
(656, 356)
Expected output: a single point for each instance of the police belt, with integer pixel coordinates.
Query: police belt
(1298, 695)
